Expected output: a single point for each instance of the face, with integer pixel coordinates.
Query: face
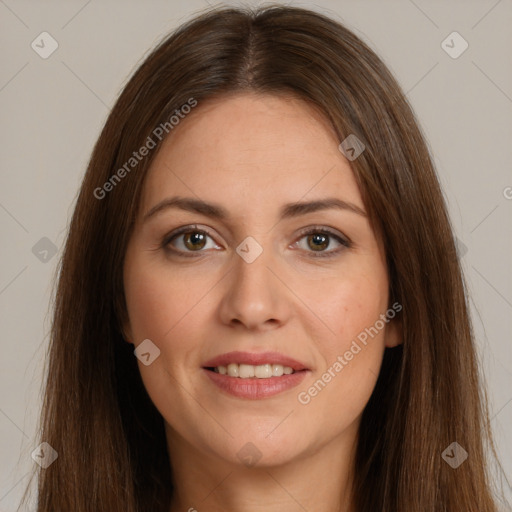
(305, 284)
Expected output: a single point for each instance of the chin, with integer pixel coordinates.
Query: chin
(259, 450)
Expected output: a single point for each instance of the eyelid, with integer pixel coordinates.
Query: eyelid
(325, 229)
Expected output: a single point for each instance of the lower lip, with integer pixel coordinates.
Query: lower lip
(254, 388)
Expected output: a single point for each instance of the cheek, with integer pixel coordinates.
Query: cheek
(348, 306)
(157, 300)
(352, 356)
(171, 308)
(151, 306)
(161, 307)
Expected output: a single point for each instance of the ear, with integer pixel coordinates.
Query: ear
(393, 334)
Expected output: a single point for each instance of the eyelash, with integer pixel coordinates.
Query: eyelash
(308, 231)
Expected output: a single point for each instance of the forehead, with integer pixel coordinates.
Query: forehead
(251, 150)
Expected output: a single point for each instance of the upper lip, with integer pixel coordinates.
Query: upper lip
(255, 359)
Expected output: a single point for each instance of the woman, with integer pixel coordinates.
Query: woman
(260, 304)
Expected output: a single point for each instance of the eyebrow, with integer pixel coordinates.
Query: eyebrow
(218, 212)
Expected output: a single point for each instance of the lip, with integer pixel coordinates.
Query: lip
(254, 388)
(255, 359)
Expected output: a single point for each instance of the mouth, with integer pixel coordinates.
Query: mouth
(265, 362)
(255, 376)
(248, 371)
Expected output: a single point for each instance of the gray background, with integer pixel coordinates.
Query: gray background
(53, 110)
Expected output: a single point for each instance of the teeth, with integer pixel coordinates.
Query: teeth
(247, 371)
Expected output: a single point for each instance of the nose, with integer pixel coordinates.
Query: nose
(255, 295)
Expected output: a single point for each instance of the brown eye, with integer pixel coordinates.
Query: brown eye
(194, 240)
(188, 240)
(318, 241)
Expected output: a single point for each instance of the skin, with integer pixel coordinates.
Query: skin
(252, 154)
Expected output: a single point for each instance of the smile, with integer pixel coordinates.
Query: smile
(246, 371)
(254, 376)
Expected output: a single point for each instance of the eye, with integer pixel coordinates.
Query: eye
(187, 239)
(318, 239)
(190, 239)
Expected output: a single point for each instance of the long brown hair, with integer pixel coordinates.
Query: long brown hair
(96, 413)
